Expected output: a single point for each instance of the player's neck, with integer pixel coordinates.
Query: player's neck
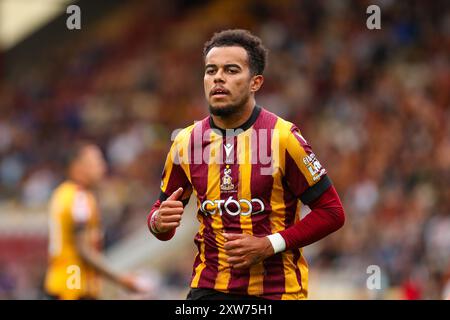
(236, 120)
(79, 182)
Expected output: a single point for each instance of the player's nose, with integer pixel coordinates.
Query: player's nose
(218, 77)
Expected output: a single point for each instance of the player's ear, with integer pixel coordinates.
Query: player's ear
(256, 83)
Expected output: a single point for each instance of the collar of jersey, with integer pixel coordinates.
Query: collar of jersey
(247, 124)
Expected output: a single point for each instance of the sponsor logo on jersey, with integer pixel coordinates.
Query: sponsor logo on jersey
(243, 207)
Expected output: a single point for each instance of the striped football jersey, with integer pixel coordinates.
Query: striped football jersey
(252, 180)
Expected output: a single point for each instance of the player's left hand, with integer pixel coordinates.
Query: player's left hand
(244, 250)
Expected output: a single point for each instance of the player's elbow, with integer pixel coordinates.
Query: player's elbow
(338, 215)
(341, 217)
(336, 209)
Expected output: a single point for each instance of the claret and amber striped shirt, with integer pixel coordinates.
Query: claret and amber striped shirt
(249, 180)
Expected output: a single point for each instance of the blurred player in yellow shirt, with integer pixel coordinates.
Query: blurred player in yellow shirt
(75, 235)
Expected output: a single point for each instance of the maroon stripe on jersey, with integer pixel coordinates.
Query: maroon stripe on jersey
(198, 167)
(197, 259)
(292, 191)
(261, 188)
(291, 203)
(297, 269)
(209, 273)
(298, 185)
(177, 177)
(239, 278)
(261, 184)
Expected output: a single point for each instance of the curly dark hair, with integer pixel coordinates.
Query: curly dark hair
(257, 53)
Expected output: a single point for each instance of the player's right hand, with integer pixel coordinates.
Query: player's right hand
(133, 283)
(169, 212)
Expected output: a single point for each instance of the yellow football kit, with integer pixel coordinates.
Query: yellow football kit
(72, 207)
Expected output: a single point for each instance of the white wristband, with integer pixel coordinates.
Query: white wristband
(278, 242)
(153, 222)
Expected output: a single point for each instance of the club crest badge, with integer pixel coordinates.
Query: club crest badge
(227, 181)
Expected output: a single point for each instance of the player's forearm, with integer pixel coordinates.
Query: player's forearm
(326, 216)
(97, 262)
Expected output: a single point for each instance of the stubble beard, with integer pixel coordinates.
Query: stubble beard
(230, 109)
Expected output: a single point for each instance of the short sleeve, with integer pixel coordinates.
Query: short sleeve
(305, 175)
(81, 211)
(173, 176)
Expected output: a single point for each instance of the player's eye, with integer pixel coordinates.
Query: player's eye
(233, 70)
(209, 71)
